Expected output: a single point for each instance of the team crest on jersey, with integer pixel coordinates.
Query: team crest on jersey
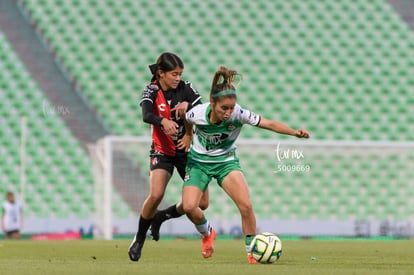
(231, 127)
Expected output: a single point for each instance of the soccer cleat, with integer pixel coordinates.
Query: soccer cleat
(251, 259)
(158, 219)
(134, 250)
(207, 247)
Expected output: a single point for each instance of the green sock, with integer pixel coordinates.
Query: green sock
(247, 241)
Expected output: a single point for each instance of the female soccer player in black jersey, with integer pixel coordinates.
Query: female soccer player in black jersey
(163, 101)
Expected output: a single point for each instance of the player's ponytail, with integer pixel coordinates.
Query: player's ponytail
(222, 85)
(166, 62)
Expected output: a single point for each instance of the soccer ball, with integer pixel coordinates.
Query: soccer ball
(266, 248)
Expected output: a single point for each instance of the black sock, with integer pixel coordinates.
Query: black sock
(169, 213)
(143, 225)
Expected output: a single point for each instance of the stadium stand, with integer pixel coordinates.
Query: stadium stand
(59, 175)
(55, 161)
(342, 69)
(328, 58)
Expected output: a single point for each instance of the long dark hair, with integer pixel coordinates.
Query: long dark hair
(165, 62)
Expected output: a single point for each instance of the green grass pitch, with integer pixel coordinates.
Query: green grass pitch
(183, 257)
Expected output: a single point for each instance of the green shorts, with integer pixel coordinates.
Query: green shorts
(200, 173)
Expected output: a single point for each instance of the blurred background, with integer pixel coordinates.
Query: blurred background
(71, 76)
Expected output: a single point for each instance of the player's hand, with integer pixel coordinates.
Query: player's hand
(170, 127)
(180, 109)
(184, 143)
(302, 133)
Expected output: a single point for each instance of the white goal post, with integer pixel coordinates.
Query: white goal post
(323, 187)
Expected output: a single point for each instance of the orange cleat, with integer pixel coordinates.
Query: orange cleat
(207, 247)
(251, 259)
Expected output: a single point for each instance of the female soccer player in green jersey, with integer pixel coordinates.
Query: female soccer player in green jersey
(212, 155)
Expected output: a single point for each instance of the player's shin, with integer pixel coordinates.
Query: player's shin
(143, 225)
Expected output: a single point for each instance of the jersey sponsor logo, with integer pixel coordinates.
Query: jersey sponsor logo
(149, 89)
(153, 87)
(146, 93)
(252, 115)
(253, 118)
(216, 138)
(211, 141)
(161, 107)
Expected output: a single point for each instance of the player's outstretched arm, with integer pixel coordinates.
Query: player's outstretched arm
(282, 128)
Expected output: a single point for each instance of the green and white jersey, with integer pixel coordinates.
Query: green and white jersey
(216, 142)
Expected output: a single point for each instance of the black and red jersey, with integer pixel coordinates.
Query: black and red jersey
(157, 104)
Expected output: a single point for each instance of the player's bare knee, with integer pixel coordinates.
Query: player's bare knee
(189, 207)
(155, 199)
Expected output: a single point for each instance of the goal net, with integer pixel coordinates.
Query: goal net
(298, 187)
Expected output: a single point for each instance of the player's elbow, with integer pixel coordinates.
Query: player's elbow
(146, 118)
